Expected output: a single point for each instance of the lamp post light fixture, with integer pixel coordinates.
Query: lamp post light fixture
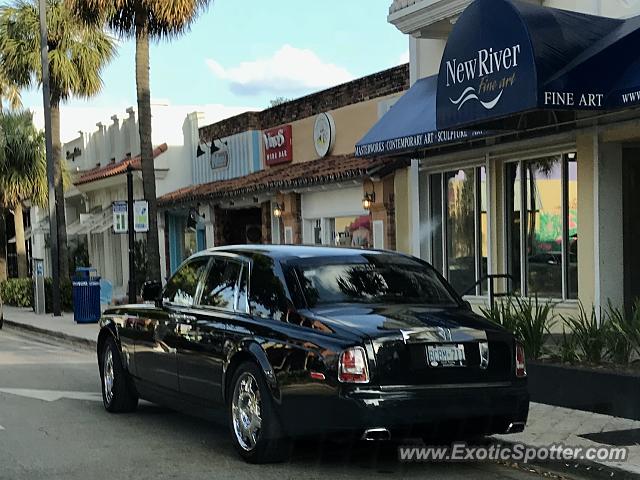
(277, 210)
(213, 148)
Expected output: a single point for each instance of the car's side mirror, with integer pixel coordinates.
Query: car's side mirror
(151, 291)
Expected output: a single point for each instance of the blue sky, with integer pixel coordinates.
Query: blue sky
(242, 53)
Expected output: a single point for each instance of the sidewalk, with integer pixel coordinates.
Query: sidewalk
(61, 327)
(547, 424)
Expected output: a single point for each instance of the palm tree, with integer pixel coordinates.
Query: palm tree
(9, 92)
(77, 55)
(23, 172)
(144, 20)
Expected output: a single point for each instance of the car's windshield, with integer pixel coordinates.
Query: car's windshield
(372, 279)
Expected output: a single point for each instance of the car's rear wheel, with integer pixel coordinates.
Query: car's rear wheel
(118, 395)
(255, 429)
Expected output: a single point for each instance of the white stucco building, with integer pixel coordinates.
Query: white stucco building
(98, 160)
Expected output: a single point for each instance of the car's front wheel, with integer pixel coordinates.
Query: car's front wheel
(117, 393)
(255, 429)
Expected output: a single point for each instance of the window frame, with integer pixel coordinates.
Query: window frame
(197, 293)
(523, 192)
(477, 166)
(226, 257)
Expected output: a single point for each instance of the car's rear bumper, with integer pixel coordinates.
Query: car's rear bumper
(470, 409)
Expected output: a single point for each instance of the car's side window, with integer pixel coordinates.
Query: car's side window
(220, 285)
(182, 287)
(242, 289)
(267, 296)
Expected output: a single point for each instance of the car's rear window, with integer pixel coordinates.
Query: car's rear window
(377, 278)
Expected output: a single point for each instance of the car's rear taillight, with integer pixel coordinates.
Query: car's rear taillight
(352, 367)
(521, 367)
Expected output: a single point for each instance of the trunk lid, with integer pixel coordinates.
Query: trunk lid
(401, 334)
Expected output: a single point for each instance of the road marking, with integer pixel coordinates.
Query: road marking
(52, 395)
(1, 428)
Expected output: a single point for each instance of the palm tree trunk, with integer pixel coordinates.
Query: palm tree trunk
(3, 245)
(21, 249)
(63, 253)
(146, 146)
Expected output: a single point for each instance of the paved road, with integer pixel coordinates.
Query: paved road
(53, 426)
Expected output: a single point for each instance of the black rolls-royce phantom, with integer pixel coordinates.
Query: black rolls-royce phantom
(297, 340)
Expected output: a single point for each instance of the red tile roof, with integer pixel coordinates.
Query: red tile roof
(119, 168)
(324, 170)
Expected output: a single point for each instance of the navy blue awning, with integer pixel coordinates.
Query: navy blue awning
(508, 57)
(410, 124)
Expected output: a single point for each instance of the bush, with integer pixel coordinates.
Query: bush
(590, 334)
(527, 319)
(18, 292)
(623, 336)
(66, 297)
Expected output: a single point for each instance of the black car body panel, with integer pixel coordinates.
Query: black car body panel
(183, 353)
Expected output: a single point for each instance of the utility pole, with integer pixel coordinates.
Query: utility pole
(53, 220)
(132, 236)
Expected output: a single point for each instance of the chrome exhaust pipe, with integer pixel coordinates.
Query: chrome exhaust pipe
(376, 435)
(515, 427)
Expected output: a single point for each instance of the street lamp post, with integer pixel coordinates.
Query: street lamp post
(53, 220)
(132, 236)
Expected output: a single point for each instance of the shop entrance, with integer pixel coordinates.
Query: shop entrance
(631, 225)
(242, 226)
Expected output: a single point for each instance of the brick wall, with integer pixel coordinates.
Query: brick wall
(292, 215)
(380, 84)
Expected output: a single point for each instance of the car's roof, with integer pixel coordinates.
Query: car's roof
(295, 251)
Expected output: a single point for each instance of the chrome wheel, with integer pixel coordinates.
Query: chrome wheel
(246, 411)
(107, 376)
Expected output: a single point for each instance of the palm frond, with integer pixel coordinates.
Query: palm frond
(158, 18)
(23, 166)
(78, 52)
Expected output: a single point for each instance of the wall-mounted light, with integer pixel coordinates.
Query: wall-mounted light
(277, 210)
(369, 197)
(572, 155)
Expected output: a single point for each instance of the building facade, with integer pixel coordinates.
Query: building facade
(309, 187)
(98, 161)
(524, 157)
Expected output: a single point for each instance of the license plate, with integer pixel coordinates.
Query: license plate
(450, 355)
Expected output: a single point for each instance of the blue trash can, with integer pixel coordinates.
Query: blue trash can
(86, 296)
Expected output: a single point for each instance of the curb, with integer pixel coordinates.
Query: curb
(83, 342)
(584, 468)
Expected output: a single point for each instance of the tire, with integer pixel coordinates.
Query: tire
(251, 401)
(118, 395)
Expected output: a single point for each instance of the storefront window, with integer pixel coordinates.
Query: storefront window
(435, 224)
(350, 231)
(461, 242)
(548, 231)
(513, 202)
(462, 256)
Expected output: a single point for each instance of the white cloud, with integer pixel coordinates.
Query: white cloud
(166, 123)
(288, 71)
(404, 58)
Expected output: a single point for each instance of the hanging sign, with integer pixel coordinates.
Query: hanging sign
(120, 217)
(140, 216)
